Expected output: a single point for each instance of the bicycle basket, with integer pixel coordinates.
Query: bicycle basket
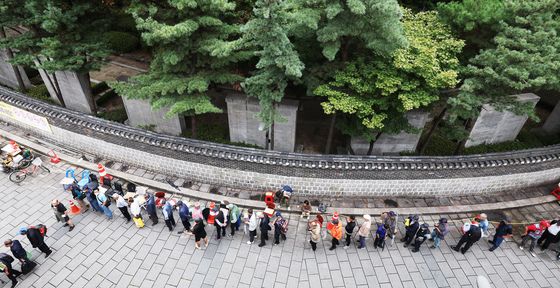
(37, 161)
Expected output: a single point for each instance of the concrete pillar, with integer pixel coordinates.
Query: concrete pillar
(552, 123)
(8, 73)
(493, 126)
(140, 113)
(394, 143)
(244, 124)
(285, 129)
(74, 88)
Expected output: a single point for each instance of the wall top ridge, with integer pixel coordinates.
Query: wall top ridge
(77, 121)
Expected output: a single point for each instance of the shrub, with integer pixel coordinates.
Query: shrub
(99, 87)
(121, 42)
(118, 115)
(217, 134)
(39, 92)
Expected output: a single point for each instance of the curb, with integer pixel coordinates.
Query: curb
(260, 204)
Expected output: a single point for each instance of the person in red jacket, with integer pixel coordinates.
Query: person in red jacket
(533, 232)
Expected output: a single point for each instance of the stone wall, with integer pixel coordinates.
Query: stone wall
(493, 126)
(309, 174)
(8, 75)
(140, 113)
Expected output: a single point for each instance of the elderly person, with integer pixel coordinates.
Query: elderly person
(315, 230)
(123, 206)
(363, 232)
(61, 214)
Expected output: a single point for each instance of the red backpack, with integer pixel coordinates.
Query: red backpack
(42, 229)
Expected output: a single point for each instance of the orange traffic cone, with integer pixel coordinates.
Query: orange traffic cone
(74, 209)
(54, 157)
(103, 173)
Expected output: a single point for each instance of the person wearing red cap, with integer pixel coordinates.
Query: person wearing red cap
(335, 229)
(533, 232)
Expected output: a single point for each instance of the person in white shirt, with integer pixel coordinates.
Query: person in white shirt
(123, 206)
(253, 224)
(551, 235)
(135, 208)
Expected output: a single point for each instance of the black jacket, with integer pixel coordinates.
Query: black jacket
(474, 233)
(35, 237)
(265, 224)
(17, 250)
(350, 227)
(412, 229)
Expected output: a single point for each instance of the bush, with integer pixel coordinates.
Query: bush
(39, 92)
(99, 87)
(121, 42)
(118, 115)
(217, 134)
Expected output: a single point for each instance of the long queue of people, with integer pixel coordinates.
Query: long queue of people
(224, 214)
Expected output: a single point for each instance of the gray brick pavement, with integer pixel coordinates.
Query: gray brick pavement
(101, 253)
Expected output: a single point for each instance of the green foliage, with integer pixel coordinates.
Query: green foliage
(470, 15)
(183, 36)
(216, 133)
(526, 56)
(121, 42)
(61, 35)
(278, 61)
(39, 92)
(376, 23)
(118, 115)
(378, 92)
(149, 127)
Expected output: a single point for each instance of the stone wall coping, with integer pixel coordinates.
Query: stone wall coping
(80, 122)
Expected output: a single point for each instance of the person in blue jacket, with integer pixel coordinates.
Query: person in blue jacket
(151, 208)
(184, 215)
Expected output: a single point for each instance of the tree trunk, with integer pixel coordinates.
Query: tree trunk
(461, 144)
(272, 136)
(10, 55)
(193, 126)
(330, 136)
(370, 147)
(422, 146)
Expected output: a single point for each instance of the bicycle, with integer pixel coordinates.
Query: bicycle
(20, 175)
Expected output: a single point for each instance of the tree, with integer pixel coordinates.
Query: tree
(55, 35)
(184, 37)
(374, 93)
(278, 61)
(525, 56)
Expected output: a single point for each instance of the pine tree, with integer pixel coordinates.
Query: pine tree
(185, 37)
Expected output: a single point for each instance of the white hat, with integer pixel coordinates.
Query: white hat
(367, 217)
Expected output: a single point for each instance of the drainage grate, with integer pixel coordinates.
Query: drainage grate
(391, 203)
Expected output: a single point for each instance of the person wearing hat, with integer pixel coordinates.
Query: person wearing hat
(167, 212)
(123, 206)
(234, 217)
(390, 218)
(36, 239)
(315, 231)
(550, 235)
(335, 229)
(184, 215)
(363, 232)
(104, 202)
(197, 212)
(6, 267)
(439, 232)
(380, 235)
(411, 227)
(199, 233)
(280, 224)
(421, 236)
(61, 214)
(471, 236)
(349, 229)
(151, 208)
(504, 230)
(533, 232)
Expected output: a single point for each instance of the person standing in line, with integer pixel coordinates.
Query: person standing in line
(6, 267)
(197, 212)
(279, 223)
(61, 214)
(264, 226)
(92, 199)
(123, 206)
(363, 232)
(184, 215)
(551, 235)
(104, 202)
(167, 212)
(220, 223)
(315, 231)
(349, 229)
(225, 211)
(533, 232)
(335, 229)
(150, 208)
(253, 223)
(421, 236)
(472, 235)
(199, 233)
(380, 235)
(36, 239)
(212, 213)
(17, 250)
(504, 230)
(411, 226)
(390, 218)
(483, 222)
(439, 232)
(234, 217)
(135, 209)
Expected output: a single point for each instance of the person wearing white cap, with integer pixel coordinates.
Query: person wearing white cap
(123, 206)
(363, 232)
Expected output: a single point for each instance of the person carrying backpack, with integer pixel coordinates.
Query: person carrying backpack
(533, 232)
(234, 217)
(36, 238)
(439, 232)
(503, 230)
(104, 202)
(6, 267)
(380, 235)
(280, 228)
(79, 196)
(421, 236)
(390, 218)
(471, 236)
(184, 215)
(411, 225)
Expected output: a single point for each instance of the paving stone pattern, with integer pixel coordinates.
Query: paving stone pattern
(101, 253)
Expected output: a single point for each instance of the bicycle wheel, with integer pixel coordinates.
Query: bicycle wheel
(17, 176)
(25, 163)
